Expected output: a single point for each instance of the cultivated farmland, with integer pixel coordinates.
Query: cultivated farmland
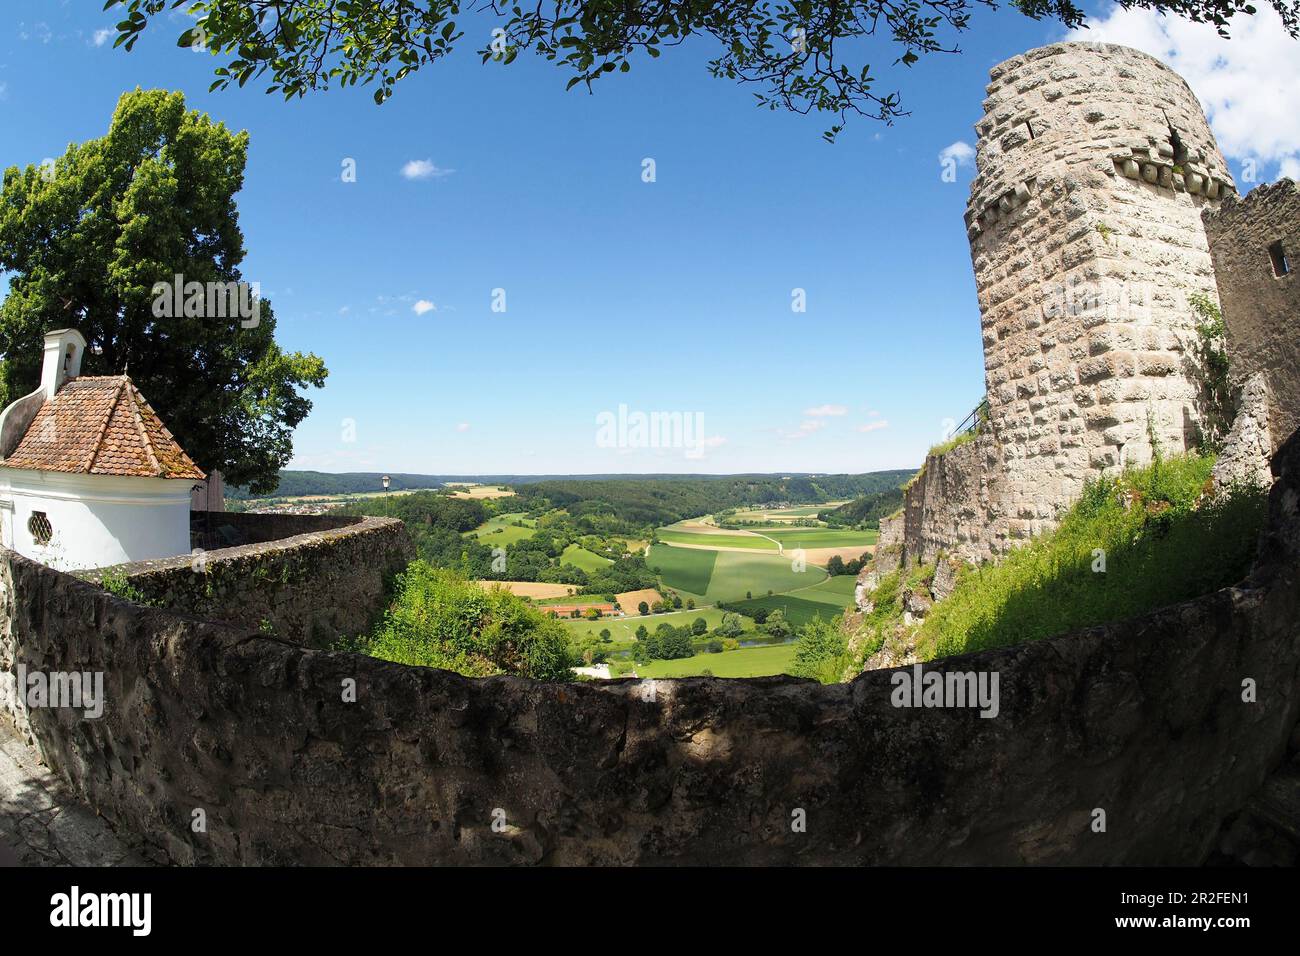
(712, 576)
(622, 630)
(502, 530)
(746, 662)
(580, 557)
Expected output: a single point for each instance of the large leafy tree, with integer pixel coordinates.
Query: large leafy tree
(801, 55)
(86, 239)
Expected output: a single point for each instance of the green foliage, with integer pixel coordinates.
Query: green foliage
(1163, 539)
(115, 582)
(311, 45)
(665, 644)
(1217, 404)
(439, 619)
(865, 511)
(732, 626)
(821, 652)
(86, 241)
(439, 526)
(946, 446)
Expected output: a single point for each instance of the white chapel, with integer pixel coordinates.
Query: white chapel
(89, 475)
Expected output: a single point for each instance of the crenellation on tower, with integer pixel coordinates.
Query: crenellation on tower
(1094, 163)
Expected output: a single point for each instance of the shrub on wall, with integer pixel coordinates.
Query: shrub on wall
(440, 619)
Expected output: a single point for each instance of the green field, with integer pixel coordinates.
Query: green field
(712, 576)
(502, 531)
(843, 585)
(688, 570)
(706, 540)
(746, 662)
(622, 630)
(802, 511)
(825, 600)
(580, 557)
(822, 537)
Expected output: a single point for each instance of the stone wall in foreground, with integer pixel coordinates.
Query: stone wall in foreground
(1143, 719)
(305, 578)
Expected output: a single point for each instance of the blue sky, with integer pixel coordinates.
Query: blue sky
(671, 296)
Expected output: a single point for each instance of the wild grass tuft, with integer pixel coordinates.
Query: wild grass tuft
(1159, 533)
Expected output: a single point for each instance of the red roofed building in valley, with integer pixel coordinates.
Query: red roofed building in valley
(89, 474)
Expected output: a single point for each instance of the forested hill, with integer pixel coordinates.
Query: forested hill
(660, 501)
(725, 490)
(296, 483)
(866, 511)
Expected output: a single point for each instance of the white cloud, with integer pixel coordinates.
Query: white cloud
(713, 441)
(873, 426)
(806, 427)
(4, 90)
(1247, 84)
(424, 169)
(960, 152)
(40, 32)
(463, 427)
(822, 411)
(102, 36)
(423, 306)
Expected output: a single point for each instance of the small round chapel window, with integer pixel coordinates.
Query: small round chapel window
(39, 525)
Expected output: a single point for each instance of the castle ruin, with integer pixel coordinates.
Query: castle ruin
(1094, 166)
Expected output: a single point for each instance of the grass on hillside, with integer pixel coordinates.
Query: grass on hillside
(580, 557)
(823, 537)
(684, 569)
(826, 600)
(1162, 538)
(731, 575)
(501, 530)
(797, 609)
(745, 662)
(705, 540)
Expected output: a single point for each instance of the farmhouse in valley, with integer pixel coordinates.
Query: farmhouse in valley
(89, 475)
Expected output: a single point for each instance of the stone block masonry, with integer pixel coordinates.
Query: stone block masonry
(1144, 719)
(1094, 165)
(1255, 245)
(307, 579)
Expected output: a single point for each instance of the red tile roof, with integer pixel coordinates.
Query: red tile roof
(101, 425)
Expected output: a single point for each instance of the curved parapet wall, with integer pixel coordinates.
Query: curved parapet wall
(293, 755)
(305, 578)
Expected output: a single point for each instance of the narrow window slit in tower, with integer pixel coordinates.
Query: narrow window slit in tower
(1278, 256)
(1030, 129)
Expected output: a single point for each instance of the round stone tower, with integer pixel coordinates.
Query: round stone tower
(1093, 165)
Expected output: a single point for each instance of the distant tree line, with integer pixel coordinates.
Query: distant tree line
(867, 510)
(651, 503)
